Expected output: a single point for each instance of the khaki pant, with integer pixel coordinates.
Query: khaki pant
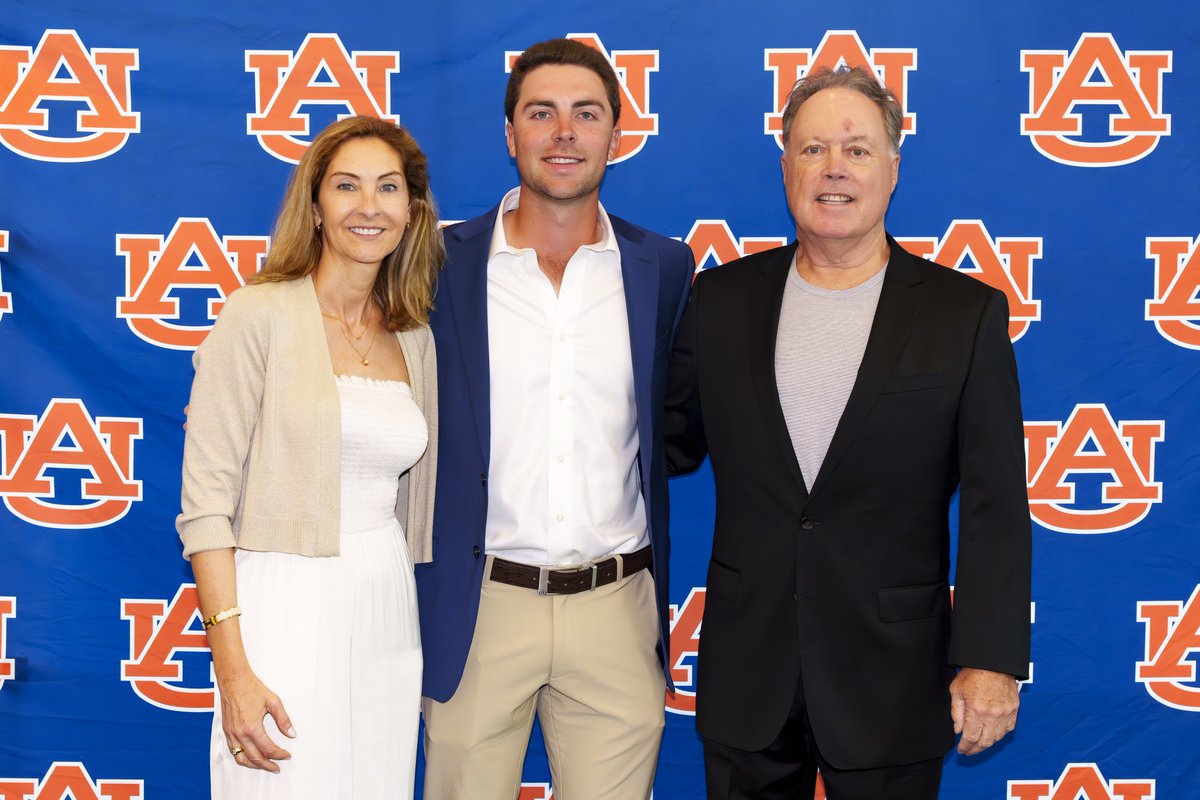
(587, 663)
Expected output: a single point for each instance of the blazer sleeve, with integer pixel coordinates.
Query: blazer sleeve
(226, 401)
(992, 580)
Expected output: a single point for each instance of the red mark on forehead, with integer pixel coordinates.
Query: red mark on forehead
(847, 126)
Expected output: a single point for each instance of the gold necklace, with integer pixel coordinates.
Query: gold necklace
(345, 329)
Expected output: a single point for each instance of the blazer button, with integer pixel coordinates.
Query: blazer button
(806, 524)
(483, 478)
(475, 550)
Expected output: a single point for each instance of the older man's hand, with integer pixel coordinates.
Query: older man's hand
(983, 705)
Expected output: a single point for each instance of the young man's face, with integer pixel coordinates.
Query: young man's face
(562, 134)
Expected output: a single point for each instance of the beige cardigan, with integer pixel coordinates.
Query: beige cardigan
(262, 456)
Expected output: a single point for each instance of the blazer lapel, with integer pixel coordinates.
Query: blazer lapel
(899, 300)
(763, 320)
(465, 280)
(640, 275)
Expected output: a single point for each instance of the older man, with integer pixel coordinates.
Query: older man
(845, 390)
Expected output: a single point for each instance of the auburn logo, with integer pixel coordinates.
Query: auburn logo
(1082, 782)
(713, 243)
(5, 297)
(1175, 308)
(633, 68)
(1096, 72)
(1172, 641)
(1004, 263)
(1120, 456)
(192, 256)
(60, 68)
(685, 644)
(8, 668)
(67, 437)
(536, 791)
(320, 72)
(69, 780)
(891, 65)
(159, 631)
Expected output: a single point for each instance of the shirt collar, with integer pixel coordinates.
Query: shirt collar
(608, 239)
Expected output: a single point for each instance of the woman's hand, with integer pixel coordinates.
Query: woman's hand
(245, 702)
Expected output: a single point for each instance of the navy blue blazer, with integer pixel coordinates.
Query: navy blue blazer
(657, 273)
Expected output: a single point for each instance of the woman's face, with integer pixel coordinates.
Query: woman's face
(362, 203)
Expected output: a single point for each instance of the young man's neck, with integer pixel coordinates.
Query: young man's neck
(555, 227)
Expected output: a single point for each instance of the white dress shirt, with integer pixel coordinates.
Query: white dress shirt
(563, 482)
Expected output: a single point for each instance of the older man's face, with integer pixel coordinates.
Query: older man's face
(838, 168)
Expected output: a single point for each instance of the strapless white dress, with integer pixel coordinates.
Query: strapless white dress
(338, 639)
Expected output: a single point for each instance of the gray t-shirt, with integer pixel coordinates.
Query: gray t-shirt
(818, 348)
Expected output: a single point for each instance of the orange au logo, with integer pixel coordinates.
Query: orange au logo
(1121, 456)
(1004, 263)
(321, 72)
(1175, 308)
(713, 240)
(67, 437)
(5, 297)
(69, 780)
(8, 668)
(1172, 640)
(536, 791)
(156, 267)
(60, 68)
(158, 632)
(1096, 72)
(890, 65)
(1082, 782)
(685, 644)
(633, 68)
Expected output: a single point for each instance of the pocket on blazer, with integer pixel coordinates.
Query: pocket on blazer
(904, 603)
(914, 383)
(722, 581)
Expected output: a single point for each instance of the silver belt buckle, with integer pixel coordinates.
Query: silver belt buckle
(543, 579)
(592, 564)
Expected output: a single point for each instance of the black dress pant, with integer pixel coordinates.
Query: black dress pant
(787, 770)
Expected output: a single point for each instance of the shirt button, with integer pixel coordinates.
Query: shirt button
(562, 396)
(562, 337)
(559, 518)
(562, 459)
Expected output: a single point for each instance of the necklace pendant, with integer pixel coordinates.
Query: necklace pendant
(365, 363)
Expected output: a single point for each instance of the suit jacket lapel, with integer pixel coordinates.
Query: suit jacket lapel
(763, 320)
(465, 280)
(640, 275)
(899, 300)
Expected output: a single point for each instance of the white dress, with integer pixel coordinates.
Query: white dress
(338, 638)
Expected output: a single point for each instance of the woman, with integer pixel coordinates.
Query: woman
(309, 458)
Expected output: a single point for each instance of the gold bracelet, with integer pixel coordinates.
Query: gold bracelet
(236, 611)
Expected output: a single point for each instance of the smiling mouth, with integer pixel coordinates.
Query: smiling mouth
(366, 231)
(835, 199)
(562, 160)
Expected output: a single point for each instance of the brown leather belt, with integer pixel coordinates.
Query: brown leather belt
(572, 580)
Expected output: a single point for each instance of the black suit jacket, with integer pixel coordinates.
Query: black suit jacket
(848, 584)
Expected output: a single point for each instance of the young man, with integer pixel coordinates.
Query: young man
(548, 588)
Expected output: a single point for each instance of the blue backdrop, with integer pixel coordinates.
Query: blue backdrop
(1053, 150)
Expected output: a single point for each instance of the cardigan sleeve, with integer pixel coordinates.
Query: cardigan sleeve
(225, 405)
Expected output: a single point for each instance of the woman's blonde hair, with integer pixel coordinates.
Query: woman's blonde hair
(408, 276)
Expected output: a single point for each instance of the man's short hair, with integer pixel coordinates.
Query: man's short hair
(856, 78)
(562, 51)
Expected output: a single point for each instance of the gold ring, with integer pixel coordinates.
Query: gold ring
(237, 751)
